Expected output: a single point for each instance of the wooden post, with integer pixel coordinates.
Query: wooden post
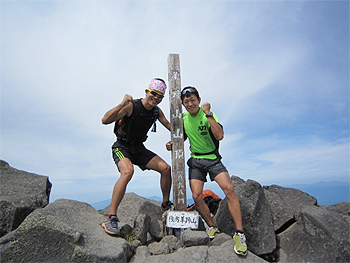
(177, 136)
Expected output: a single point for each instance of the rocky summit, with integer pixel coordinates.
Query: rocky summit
(21, 193)
(281, 225)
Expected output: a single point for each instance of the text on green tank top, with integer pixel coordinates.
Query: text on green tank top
(197, 130)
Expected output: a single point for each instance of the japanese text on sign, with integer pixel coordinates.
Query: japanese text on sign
(182, 219)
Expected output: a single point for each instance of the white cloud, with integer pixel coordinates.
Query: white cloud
(275, 161)
(269, 70)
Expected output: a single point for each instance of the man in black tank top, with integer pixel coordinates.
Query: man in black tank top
(137, 117)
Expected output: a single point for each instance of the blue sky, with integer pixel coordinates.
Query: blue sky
(275, 72)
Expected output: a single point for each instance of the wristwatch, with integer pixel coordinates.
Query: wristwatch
(210, 114)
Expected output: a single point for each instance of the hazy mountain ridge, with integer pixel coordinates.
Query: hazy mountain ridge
(326, 193)
(103, 204)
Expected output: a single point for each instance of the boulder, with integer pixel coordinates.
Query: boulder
(21, 193)
(173, 242)
(210, 254)
(132, 206)
(63, 231)
(141, 227)
(257, 217)
(220, 239)
(194, 238)
(67, 230)
(340, 208)
(160, 248)
(319, 235)
(286, 204)
(225, 253)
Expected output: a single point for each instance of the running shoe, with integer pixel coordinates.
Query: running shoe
(111, 226)
(167, 206)
(240, 246)
(212, 231)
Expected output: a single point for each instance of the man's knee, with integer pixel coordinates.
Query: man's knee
(197, 197)
(232, 196)
(126, 173)
(165, 169)
(228, 189)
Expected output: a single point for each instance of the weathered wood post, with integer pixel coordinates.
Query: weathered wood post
(177, 136)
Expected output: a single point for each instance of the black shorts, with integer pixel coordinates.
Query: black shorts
(198, 168)
(140, 157)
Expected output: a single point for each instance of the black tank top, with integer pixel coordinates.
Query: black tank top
(134, 128)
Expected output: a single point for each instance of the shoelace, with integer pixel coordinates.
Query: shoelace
(242, 238)
(114, 221)
(212, 228)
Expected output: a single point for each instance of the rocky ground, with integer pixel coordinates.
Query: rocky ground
(281, 225)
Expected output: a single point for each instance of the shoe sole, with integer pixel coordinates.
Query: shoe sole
(212, 237)
(109, 232)
(240, 253)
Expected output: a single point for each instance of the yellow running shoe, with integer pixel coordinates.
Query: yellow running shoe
(240, 246)
(212, 231)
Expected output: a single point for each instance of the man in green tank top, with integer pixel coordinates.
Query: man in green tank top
(202, 128)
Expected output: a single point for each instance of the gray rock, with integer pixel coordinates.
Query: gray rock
(141, 227)
(132, 206)
(225, 254)
(160, 248)
(319, 235)
(63, 231)
(340, 208)
(141, 255)
(286, 204)
(191, 254)
(220, 239)
(21, 193)
(194, 238)
(67, 230)
(256, 216)
(200, 254)
(156, 229)
(126, 231)
(135, 244)
(173, 242)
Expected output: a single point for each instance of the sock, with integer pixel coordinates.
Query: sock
(239, 231)
(110, 215)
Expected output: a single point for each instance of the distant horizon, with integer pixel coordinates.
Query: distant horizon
(320, 195)
(319, 182)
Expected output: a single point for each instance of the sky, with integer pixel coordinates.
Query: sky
(276, 74)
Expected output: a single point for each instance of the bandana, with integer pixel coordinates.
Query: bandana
(158, 86)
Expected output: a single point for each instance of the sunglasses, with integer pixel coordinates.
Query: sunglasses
(155, 94)
(189, 90)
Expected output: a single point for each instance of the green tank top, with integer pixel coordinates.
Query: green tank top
(197, 131)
